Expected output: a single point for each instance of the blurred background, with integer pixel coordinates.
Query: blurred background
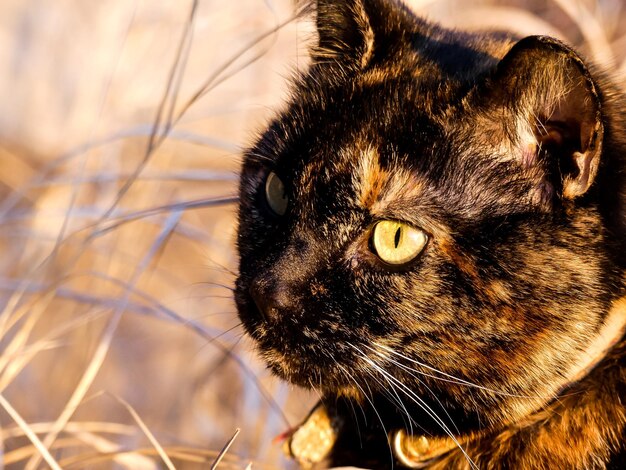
(121, 126)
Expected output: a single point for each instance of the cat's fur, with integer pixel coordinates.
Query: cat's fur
(510, 154)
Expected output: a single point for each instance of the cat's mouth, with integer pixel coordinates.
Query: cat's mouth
(310, 372)
(306, 355)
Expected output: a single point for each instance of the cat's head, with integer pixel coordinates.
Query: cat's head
(423, 214)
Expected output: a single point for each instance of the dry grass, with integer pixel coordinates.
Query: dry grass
(120, 129)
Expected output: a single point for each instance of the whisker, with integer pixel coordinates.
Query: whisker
(315, 389)
(371, 402)
(422, 404)
(213, 284)
(421, 382)
(224, 333)
(259, 157)
(418, 401)
(394, 399)
(449, 378)
(393, 387)
(354, 414)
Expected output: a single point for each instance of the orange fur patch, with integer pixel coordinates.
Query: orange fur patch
(376, 187)
(372, 179)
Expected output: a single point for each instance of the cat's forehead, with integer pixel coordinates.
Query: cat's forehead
(376, 186)
(368, 153)
(363, 179)
(385, 149)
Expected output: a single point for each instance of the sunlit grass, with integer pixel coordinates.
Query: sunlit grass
(121, 126)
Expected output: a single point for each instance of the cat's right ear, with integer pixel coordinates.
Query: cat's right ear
(345, 31)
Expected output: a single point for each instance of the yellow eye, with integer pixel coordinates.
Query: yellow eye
(397, 243)
(275, 194)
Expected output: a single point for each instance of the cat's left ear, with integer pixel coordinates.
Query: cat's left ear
(552, 112)
(350, 31)
(345, 32)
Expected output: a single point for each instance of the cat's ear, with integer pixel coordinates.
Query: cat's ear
(552, 113)
(345, 33)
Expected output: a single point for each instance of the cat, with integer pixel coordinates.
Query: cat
(432, 236)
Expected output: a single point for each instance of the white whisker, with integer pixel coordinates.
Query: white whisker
(421, 382)
(371, 402)
(448, 377)
(418, 401)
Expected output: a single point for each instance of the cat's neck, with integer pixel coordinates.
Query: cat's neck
(609, 335)
(583, 407)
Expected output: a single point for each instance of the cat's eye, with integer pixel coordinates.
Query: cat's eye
(275, 194)
(397, 243)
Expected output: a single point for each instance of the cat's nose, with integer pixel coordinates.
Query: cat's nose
(271, 301)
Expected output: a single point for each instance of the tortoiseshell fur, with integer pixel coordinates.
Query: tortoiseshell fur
(510, 153)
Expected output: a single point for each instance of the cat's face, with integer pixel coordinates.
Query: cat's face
(402, 215)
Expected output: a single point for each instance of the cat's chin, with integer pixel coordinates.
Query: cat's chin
(311, 374)
(326, 388)
(298, 372)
